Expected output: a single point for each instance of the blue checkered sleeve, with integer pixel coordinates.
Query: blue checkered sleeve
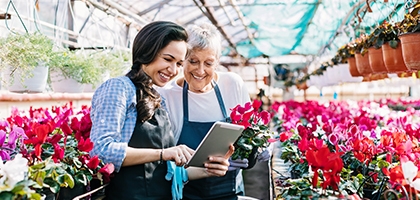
(113, 117)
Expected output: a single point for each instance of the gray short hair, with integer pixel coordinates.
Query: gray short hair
(204, 36)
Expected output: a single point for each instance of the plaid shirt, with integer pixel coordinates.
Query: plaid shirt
(113, 115)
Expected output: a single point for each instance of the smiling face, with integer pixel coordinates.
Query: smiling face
(199, 70)
(167, 63)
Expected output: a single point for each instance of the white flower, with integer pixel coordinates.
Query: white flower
(13, 171)
(410, 173)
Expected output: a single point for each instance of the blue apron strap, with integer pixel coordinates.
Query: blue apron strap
(219, 98)
(218, 95)
(185, 101)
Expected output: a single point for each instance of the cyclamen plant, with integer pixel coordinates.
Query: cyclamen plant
(256, 134)
(56, 145)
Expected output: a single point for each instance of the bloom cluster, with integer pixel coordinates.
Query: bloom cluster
(350, 147)
(55, 145)
(256, 133)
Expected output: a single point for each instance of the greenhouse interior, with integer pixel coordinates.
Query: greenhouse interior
(321, 94)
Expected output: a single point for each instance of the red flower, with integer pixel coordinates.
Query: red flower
(93, 163)
(106, 172)
(85, 145)
(265, 117)
(285, 136)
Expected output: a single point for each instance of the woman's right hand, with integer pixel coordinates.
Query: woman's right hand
(179, 154)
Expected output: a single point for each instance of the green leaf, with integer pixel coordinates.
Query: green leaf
(54, 186)
(35, 196)
(66, 180)
(77, 162)
(81, 178)
(38, 166)
(6, 196)
(39, 177)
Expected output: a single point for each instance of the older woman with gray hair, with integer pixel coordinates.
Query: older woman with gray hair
(206, 96)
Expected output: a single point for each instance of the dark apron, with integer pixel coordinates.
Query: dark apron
(145, 181)
(191, 135)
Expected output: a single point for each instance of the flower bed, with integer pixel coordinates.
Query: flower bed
(55, 145)
(362, 149)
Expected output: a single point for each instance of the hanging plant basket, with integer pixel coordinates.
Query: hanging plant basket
(376, 61)
(393, 58)
(36, 82)
(362, 63)
(410, 43)
(353, 67)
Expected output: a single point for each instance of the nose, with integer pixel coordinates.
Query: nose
(173, 68)
(200, 68)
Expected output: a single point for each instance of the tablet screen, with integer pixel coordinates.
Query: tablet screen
(216, 142)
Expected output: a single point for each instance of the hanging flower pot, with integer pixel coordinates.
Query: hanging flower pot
(19, 81)
(352, 67)
(393, 58)
(362, 63)
(410, 43)
(376, 61)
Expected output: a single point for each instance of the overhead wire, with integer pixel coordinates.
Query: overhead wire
(17, 13)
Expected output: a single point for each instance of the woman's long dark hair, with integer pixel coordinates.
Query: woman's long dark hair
(151, 39)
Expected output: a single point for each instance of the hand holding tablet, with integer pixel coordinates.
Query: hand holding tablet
(216, 143)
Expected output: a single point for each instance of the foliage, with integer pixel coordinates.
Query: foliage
(57, 145)
(76, 65)
(23, 52)
(362, 44)
(357, 149)
(385, 33)
(343, 53)
(256, 133)
(14, 184)
(112, 62)
(410, 24)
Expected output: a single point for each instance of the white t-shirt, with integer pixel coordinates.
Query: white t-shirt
(203, 107)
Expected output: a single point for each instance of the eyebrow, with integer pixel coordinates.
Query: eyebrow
(166, 54)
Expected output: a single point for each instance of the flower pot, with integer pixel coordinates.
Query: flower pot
(362, 63)
(376, 61)
(410, 43)
(352, 67)
(35, 84)
(393, 58)
(69, 193)
(59, 83)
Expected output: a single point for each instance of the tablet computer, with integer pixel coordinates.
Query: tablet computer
(216, 142)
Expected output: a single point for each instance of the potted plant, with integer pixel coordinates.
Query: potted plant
(376, 40)
(14, 184)
(111, 64)
(24, 59)
(410, 40)
(56, 146)
(362, 45)
(345, 54)
(71, 70)
(391, 47)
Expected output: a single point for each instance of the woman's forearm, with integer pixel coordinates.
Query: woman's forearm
(137, 156)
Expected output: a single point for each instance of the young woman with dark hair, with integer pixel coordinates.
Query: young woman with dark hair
(131, 129)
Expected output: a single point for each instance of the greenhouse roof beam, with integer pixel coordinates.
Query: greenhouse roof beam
(125, 11)
(113, 12)
(343, 22)
(209, 14)
(241, 17)
(153, 7)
